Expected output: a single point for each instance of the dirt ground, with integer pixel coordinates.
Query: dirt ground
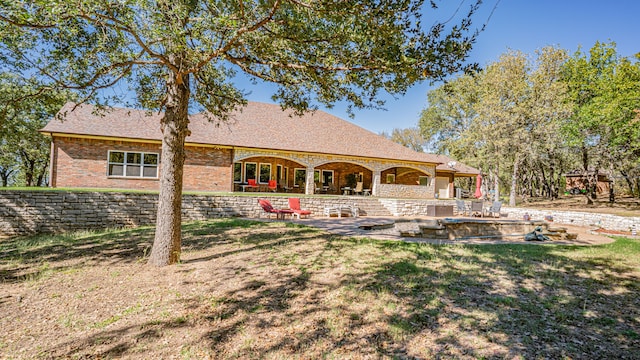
(283, 291)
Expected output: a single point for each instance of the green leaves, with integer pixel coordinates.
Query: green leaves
(324, 51)
(24, 109)
(503, 116)
(605, 89)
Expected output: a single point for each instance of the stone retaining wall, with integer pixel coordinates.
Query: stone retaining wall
(605, 221)
(402, 207)
(29, 212)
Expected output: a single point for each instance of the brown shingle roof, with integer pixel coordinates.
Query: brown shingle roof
(258, 125)
(457, 167)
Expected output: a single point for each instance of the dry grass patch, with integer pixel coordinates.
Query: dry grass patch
(275, 290)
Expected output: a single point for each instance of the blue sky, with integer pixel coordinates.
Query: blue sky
(524, 25)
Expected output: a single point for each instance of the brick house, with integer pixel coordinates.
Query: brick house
(305, 154)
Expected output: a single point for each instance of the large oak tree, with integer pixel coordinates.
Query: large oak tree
(181, 54)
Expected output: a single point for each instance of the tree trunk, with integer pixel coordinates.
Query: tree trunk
(174, 125)
(514, 181)
(585, 175)
(29, 169)
(496, 184)
(4, 176)
(625, 176)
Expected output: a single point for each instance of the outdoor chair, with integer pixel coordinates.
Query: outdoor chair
(283, 185)
(273, 186)
(269, 209)
(461, 207)
(358, 189)
(294, 205)
(477, 208)
(494, 208)
(252, 184)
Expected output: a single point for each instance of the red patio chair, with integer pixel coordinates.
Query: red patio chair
(294, 205)
(269, 209)
(273, 185)
(252, 184)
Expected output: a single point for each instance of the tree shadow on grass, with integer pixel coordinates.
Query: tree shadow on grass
(327, 296)
(118, 342)
(531, 301)
(493, 301)
(29, 258)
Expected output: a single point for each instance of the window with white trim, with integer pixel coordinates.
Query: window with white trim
(265, 173)
(132, 164)
(237, 172)
(250, 170)
(327, 177)
(423, 180)
(299, 177)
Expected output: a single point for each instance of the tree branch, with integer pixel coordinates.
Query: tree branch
(116, 24)
(232, 42)
(298, 66)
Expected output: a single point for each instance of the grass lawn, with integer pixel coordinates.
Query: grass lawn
(272, 290)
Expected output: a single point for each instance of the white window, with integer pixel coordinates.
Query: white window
(265, 173)
(299, 177)
(250, 170)
(237, 172)
(133, 164)
(327, 177)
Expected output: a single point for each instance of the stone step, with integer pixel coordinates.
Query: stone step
(560, 235)
(432, 232)
(371, 207)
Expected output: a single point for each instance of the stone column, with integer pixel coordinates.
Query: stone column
(310, 185)
(375, 187)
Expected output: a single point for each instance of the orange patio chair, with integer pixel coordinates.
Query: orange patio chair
(252, 184)
(273, 185)
(294, 205)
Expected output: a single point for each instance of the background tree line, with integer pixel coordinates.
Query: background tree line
(525, 121)
(24, 109)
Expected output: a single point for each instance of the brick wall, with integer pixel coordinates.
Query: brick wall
(83, 163)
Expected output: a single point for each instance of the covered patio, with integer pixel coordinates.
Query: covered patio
(306, 173)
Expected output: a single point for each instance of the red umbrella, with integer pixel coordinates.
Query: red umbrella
(478, 193)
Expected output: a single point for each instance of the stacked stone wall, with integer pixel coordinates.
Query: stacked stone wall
(417, 207)
(29, 212)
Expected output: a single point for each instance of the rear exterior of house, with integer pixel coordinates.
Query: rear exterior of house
(315, 153)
